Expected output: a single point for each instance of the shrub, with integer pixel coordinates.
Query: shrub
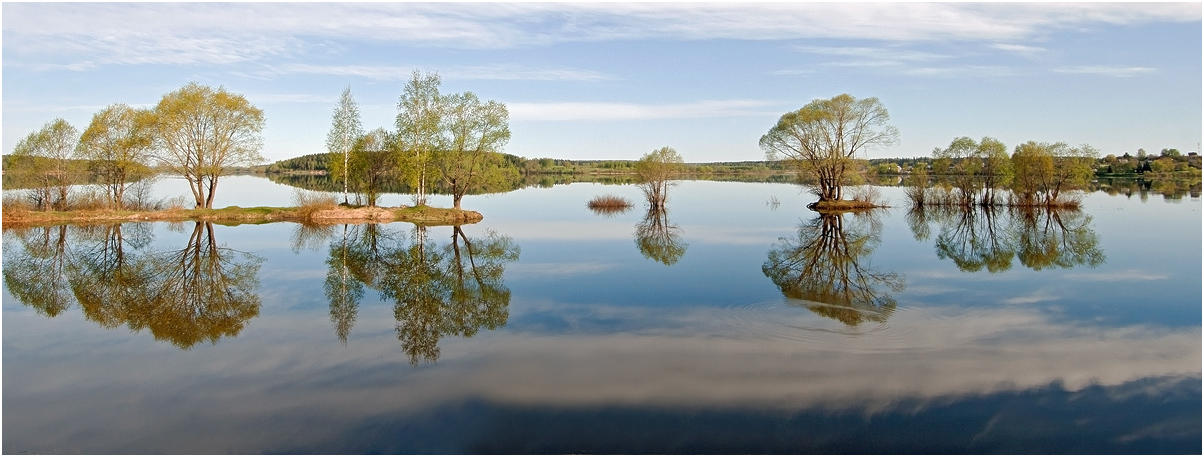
(609, 204)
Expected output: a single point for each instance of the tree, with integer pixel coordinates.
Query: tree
(373, 162)
(43, 161)
(419, 120)
(1033, 164)
(202, 132)
(118, 144)
(655, 171)
(476, 133)
(345, 129)
(823, 137)
(960, 162)
(996, 168)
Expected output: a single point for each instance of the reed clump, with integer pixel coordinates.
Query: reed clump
(309, 203)
(609, 204)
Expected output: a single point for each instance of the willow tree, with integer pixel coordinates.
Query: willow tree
(655, 172)
(345, 129)
(824, 137)
(202, 133)
(475, 134)
(419, 130)
(42, 162)
(118, 143)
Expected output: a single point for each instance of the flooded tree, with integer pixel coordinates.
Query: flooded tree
(201, 133)
(655, 172)
(823, 138)
(826, 267)
(658, 239)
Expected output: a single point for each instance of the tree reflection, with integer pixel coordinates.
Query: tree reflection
(988, 237)
(37, 275)
(202, 292)
(453, 289)
(658, 239)
(825, 266)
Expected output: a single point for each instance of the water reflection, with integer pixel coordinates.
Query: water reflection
(201, 292)
(659, 239)
(452, 289)
(826, 266)
(988, 237)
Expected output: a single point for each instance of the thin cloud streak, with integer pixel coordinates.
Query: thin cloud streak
(1119, 72)
(603, 111)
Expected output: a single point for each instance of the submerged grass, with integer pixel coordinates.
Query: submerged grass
(422, 215)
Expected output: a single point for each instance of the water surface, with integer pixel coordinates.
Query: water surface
(728, 323)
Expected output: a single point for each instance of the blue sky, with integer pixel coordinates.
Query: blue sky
(615, 80)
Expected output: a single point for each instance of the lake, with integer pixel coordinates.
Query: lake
(738, 321)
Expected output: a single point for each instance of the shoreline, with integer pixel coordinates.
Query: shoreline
(234, 215)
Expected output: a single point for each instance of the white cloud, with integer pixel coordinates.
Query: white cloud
(1104, 70)
(575, 111)
(1026, 51)
(213, 33)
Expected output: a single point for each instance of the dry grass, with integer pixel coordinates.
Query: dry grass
(309, 203)
(609, 204)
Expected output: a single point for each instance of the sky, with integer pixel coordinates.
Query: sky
(618, 80)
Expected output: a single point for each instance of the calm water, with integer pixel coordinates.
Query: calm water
(727, 324)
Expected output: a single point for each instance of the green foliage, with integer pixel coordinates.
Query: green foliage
(655, 171)
(42, 162)
(824, 137)
(118, 142)
(345, 130)
(419, 130)
(202, 133)
(470, 159)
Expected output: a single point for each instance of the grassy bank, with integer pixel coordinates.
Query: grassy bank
(233, 215)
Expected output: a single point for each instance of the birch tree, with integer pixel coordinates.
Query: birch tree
(419, 130)
(345, 129)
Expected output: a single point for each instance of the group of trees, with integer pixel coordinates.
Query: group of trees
(970, 173)
(197, 132)
(455, 139)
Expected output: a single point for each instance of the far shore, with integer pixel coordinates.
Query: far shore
(234, 215)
